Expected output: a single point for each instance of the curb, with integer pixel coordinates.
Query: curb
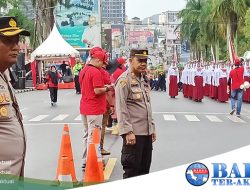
(18, 91)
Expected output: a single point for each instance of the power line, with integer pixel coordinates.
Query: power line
(177, 24)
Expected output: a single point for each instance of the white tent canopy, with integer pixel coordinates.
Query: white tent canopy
(54, 46)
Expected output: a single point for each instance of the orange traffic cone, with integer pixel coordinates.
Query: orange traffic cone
(101, 173)
(96, 135)
(92, 171)
(66, 151)
(96, 141)
(65, 178)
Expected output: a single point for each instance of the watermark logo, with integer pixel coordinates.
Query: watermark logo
(231, 174)
(197, 174)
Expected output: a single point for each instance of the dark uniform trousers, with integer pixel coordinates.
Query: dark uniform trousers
(77, 84)
(53, 94)
(136, 159)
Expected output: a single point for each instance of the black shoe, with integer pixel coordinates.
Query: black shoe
(83, 167)
(105, 152)
(232, 112)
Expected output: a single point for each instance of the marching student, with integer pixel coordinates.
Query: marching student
(198, 83)
(207, 80)
(212, 92)
(184, 80)
(222, 86)
(173, 79)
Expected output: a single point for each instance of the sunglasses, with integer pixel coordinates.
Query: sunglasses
(142, 60)
(9, 40)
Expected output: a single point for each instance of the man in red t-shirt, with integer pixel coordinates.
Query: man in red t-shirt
(93, 101)
(109, 106)
(121, 68)
(236, 79)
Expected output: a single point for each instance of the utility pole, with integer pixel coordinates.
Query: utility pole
(35, 28)
(101, 7)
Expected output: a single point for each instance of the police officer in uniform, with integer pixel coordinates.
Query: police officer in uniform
(134, 116)
(12, 137)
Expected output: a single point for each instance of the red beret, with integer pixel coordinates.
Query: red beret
(106, 59)
(99, 53)
(121, 60)
(94, 49)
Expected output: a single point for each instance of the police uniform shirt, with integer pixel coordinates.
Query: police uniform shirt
(12, 138)
(133, 105)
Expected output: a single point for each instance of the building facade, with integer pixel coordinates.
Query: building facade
(113, 11)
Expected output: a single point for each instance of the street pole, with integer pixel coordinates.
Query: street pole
(100, 1)
(35, 28)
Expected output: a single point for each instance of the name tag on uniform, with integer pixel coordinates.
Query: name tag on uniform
(134, 83)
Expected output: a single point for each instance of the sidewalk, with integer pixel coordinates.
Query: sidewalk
(24, 90)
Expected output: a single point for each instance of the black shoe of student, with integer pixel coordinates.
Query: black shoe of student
(83, 167)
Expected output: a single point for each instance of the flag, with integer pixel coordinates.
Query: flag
(212, 52)
(175, 59)
(201, 59)
(231, 50)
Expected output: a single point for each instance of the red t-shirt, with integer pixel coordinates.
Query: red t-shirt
(237, 77)
(91, 104)
(118, 72)
(106, 76)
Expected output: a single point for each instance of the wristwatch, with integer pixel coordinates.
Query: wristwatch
(107, 89)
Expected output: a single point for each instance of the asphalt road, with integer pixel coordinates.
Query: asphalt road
(187, 131)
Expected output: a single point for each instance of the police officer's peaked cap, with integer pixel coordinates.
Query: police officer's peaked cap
(140, 53)
(9, 27)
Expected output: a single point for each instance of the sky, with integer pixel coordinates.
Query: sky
(147, 8)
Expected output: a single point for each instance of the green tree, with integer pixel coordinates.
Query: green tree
(190, 28)
(231, 11)
(23, 21)
(209, 22)
(44, 17)
(247, 24)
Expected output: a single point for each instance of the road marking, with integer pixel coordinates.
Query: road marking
(246, 110)
(47, 124)
(169, 118)
(60, 117)
(39, 118)
(235, 119)
(213, 118)
(109, 168)
(192, 118)
(193, 113)
(78, 118)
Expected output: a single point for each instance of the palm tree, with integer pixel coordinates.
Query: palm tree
(190, 27)
(231, 12)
